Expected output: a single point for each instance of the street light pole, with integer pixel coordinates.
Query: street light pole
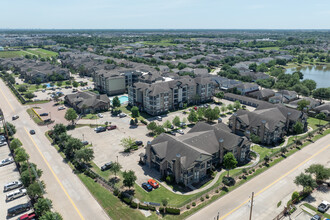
(251, 206)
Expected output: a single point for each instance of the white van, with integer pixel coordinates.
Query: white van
(12, 185)
(15, 194)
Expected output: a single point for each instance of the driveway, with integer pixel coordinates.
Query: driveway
(53, 112)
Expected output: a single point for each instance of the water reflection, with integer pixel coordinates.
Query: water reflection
(319, 73)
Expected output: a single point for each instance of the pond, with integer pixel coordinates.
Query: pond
(319, 73)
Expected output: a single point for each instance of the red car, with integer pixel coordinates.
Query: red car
(30, 216)
(111, 127)
(153, 183)
(195, 108)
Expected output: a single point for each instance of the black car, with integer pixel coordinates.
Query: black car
(44, 114)
(32, 131)
(147, 186)
(316, 217)
(106, 166)
(172, 133)
(84, 142)
(138, 143)
(100, 129)
(18, 209)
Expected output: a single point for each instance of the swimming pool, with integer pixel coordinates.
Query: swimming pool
(48, 85)
(123, 99)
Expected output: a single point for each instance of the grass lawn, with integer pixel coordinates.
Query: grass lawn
(42, 52)
(90, 116)
(269, 48)
(11, 54)
(111, 204)
(314, 122)
(35, 118)
(263, 151)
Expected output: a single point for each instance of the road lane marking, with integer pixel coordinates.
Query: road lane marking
(7, 100)
(284, 175)
(59, 182)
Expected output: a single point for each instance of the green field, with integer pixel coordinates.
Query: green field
(11, 54)
(42, 52)
(164, 43)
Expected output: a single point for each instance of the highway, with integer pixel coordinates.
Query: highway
(70, 197)
(270, 187)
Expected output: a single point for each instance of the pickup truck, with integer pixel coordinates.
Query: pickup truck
(323, 207)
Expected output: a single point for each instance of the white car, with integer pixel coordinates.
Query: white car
(6, 161)
(100, 115)
(15, 194)
(61, 108)
(180, 131)
(122, 115)
(12, 185)
(159, 118)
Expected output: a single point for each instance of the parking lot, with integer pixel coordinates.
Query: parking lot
(9, 173)
(53, 112)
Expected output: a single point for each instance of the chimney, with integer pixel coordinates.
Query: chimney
(234, 122)
(263, 123)
(148, 153)
(177, 168)
(221, 150)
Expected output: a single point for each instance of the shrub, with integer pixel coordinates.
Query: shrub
(228, 181)
(152, 208)
(250, 171)
(144, 122)
(202, 199)
(188, 206)
(193, 204)
(217, 191)
(116, 191)
(126, 200)
(90, 174)
(133, 205)
(207, 196)
(295, 197)
(244, 171)
(143, 206)
(240, 177)
(161, 209)
(173, 211)
(253, 170)
(169, 179)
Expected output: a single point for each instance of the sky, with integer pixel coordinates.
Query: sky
(165, 14)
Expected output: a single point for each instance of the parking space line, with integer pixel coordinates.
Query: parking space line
(57, 179)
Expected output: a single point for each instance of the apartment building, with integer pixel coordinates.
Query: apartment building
(160, 97)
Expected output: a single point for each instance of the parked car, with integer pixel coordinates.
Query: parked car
(138, 143)
(44, 90)
(2, 138)
(3, 143)
(182, 124)
(18, 209)
(44, 114)
(30, 216)
(15, 194)
(14, 117)
(84, 142)
(122, 115)
(180, 131)
(32, 131)
(159, 118)
(106, 166)
(111, 127)
(100, 115)
(12, 185)
(324, 206)
(172, 133)
(6, 161)
(100, 129)
(147, 187)
(61, 108)
(153, 183)
(316, 217)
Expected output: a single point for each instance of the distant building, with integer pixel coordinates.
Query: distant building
(1, 48)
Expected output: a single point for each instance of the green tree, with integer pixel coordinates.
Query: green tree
(210, 114)
(71, 115)
(84, 155)
(167, 124)
(299, 74)
(42, 206)
(192, 117)
(15, 143)
(159, 129)
(135, 112)
(253, 67)
(35, 190)
(59, 129)
(310, 84)
(75, 84)
(29, 95)
(152, 126)
(200, 114)
(22, 88)
(320, 116)
(116, 102)
(176, 121)
(229, 162)
(298, 127)
(129, 178)
(237, 105)
(223, 108)
(10, 128)
(230, 107)
(21, 155)
(51, 216)
(303, 104)
(306, 181)
(255, 139)
(127, 143)
(59, 83)
(71, 146)
(321, 173)
(219, 95)
(115, 168)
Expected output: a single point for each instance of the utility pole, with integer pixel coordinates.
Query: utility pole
(251, 206)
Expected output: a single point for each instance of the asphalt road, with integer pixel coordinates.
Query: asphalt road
(70, 197)
(270, 187)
